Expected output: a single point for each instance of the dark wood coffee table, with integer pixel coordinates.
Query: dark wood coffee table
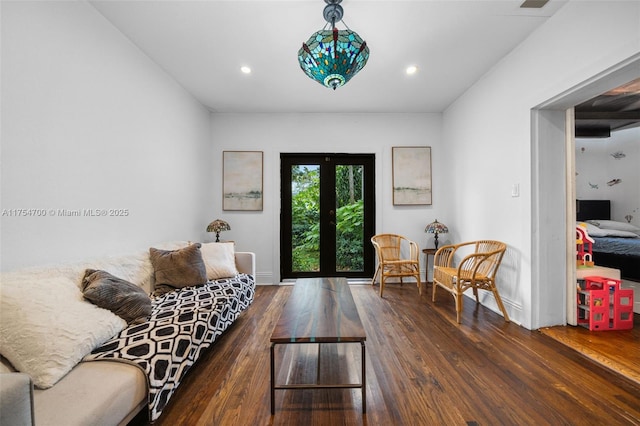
(319, 310)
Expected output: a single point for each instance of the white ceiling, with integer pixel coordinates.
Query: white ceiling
(203, 44)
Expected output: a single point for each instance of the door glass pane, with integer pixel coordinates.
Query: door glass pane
(305, 215)
(349, 218)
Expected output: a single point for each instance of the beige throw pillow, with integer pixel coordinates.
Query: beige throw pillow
(178, 268)
(219, 260)
(121, 297)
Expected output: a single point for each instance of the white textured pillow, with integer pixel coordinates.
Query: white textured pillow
(46, 327)
(219, 260)
(616, 233)
(612, 224)
(593, 230)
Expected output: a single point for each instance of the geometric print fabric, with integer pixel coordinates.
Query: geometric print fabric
(183, 323)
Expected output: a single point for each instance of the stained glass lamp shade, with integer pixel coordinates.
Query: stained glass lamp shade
(331, 56)
(436, 228)
(218, 226)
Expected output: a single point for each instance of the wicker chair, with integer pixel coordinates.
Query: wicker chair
(476, 270)
(390, 249)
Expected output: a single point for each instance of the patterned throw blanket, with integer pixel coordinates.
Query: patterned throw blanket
(182, 324)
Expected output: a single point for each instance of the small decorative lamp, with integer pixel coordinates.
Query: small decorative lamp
(218, 226)
(436, 228)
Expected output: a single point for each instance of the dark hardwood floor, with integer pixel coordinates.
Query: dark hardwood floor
(422, 369)
(617, 350)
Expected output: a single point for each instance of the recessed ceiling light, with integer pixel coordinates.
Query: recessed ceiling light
(412, 70)
(245, 70)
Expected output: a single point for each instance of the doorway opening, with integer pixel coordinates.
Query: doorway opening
(553, 205)
(327, 215)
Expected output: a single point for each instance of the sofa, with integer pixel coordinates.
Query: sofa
(66, 360)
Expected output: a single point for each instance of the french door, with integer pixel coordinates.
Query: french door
(327, 215)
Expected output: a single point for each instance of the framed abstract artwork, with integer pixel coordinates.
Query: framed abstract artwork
(411, 175)
(242, 180)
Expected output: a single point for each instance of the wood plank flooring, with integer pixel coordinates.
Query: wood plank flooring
(618, 350)
(422, 369)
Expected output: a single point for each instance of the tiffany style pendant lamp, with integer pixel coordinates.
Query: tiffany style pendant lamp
(331, 56)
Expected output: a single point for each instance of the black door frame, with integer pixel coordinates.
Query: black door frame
(326, 161)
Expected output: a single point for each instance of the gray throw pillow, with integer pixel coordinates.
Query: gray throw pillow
(121, 297)
(178, 268)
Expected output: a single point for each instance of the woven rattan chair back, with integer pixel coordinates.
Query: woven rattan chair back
(476, 270)
(398, 257)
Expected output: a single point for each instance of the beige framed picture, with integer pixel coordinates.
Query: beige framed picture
(242, 180)
(411, 175)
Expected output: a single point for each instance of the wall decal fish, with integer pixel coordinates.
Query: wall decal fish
(618, 155)
(593, 186)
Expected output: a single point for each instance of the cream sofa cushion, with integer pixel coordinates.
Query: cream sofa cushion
(93, 393)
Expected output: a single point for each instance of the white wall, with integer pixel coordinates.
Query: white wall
(596, 166)
(89, 122)
(316, 133)
(488, 132)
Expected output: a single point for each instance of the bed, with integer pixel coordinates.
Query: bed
(617, 244)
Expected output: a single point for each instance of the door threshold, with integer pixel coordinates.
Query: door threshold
(350, 281)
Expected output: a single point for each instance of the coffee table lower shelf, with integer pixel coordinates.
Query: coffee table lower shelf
(275, 386)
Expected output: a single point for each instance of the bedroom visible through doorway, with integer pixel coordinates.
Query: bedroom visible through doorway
(553, 203)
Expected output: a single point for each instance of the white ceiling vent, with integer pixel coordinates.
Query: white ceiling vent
(533, 4)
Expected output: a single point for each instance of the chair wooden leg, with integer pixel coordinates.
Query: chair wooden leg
(381, 284)
(373, 281)
(475, 293)
(458, 298)
(419, 284)
(500, 304)
(433, 290)
(458, 308)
